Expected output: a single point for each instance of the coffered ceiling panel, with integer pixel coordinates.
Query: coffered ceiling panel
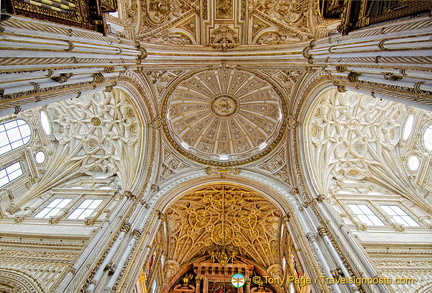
(227, 24)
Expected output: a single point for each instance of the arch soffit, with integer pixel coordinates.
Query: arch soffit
(308, 92)
(423, 288)
(141, 93)
(270, 189)
(145, 108)
(136, 87)
(303, 112)
(21, 281)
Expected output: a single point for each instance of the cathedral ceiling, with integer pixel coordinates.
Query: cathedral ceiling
(224, 215)
(355, 146)
(102, 132)
(224, 116)
(98, 135)
(225, 24)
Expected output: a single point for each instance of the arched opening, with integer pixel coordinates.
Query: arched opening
(223, 237)
(367, 157)
(12, 281)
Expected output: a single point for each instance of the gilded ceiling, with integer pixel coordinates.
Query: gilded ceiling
(226, 24)
(224, 215)
(224, 116)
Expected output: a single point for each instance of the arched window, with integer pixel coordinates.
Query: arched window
(427, 138)
(13, 134)
(45, 122)
(408, 128)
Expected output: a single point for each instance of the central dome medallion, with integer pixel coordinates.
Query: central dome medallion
(224, 106)
(224, 117)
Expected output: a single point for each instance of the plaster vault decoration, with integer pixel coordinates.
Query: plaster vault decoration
(355, 138)
(97, 135)
(102, 132)
(224, 116)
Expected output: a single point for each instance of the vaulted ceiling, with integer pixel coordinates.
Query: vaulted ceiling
(224, 215)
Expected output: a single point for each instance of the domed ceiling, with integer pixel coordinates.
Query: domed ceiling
(224, 116)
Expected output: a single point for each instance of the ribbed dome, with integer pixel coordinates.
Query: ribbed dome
(223, 116)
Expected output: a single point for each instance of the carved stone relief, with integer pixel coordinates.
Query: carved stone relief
(161, 79)
(277, 165)
(33, 267)
(171, 164)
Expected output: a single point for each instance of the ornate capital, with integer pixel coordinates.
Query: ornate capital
(129, 194)
(62, 78)
(320, 198)
(137, 233)
(353, 76)
(310, 237)
(13, 208)
(111, 267)
(98, 77)
(126, 227)
(337, 273)
(322, 231)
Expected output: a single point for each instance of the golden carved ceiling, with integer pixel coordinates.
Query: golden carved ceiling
(224, 216)
(225, 24)
(224, 116)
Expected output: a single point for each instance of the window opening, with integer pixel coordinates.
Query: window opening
(408, 127)
(46, 126)
(364, 213)
(14, 134)
(413, 163)
(427, 138)
(40, 157)
(10, 173)
(154, 286)
(399, 216)
(53, 208)
(86, 208)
